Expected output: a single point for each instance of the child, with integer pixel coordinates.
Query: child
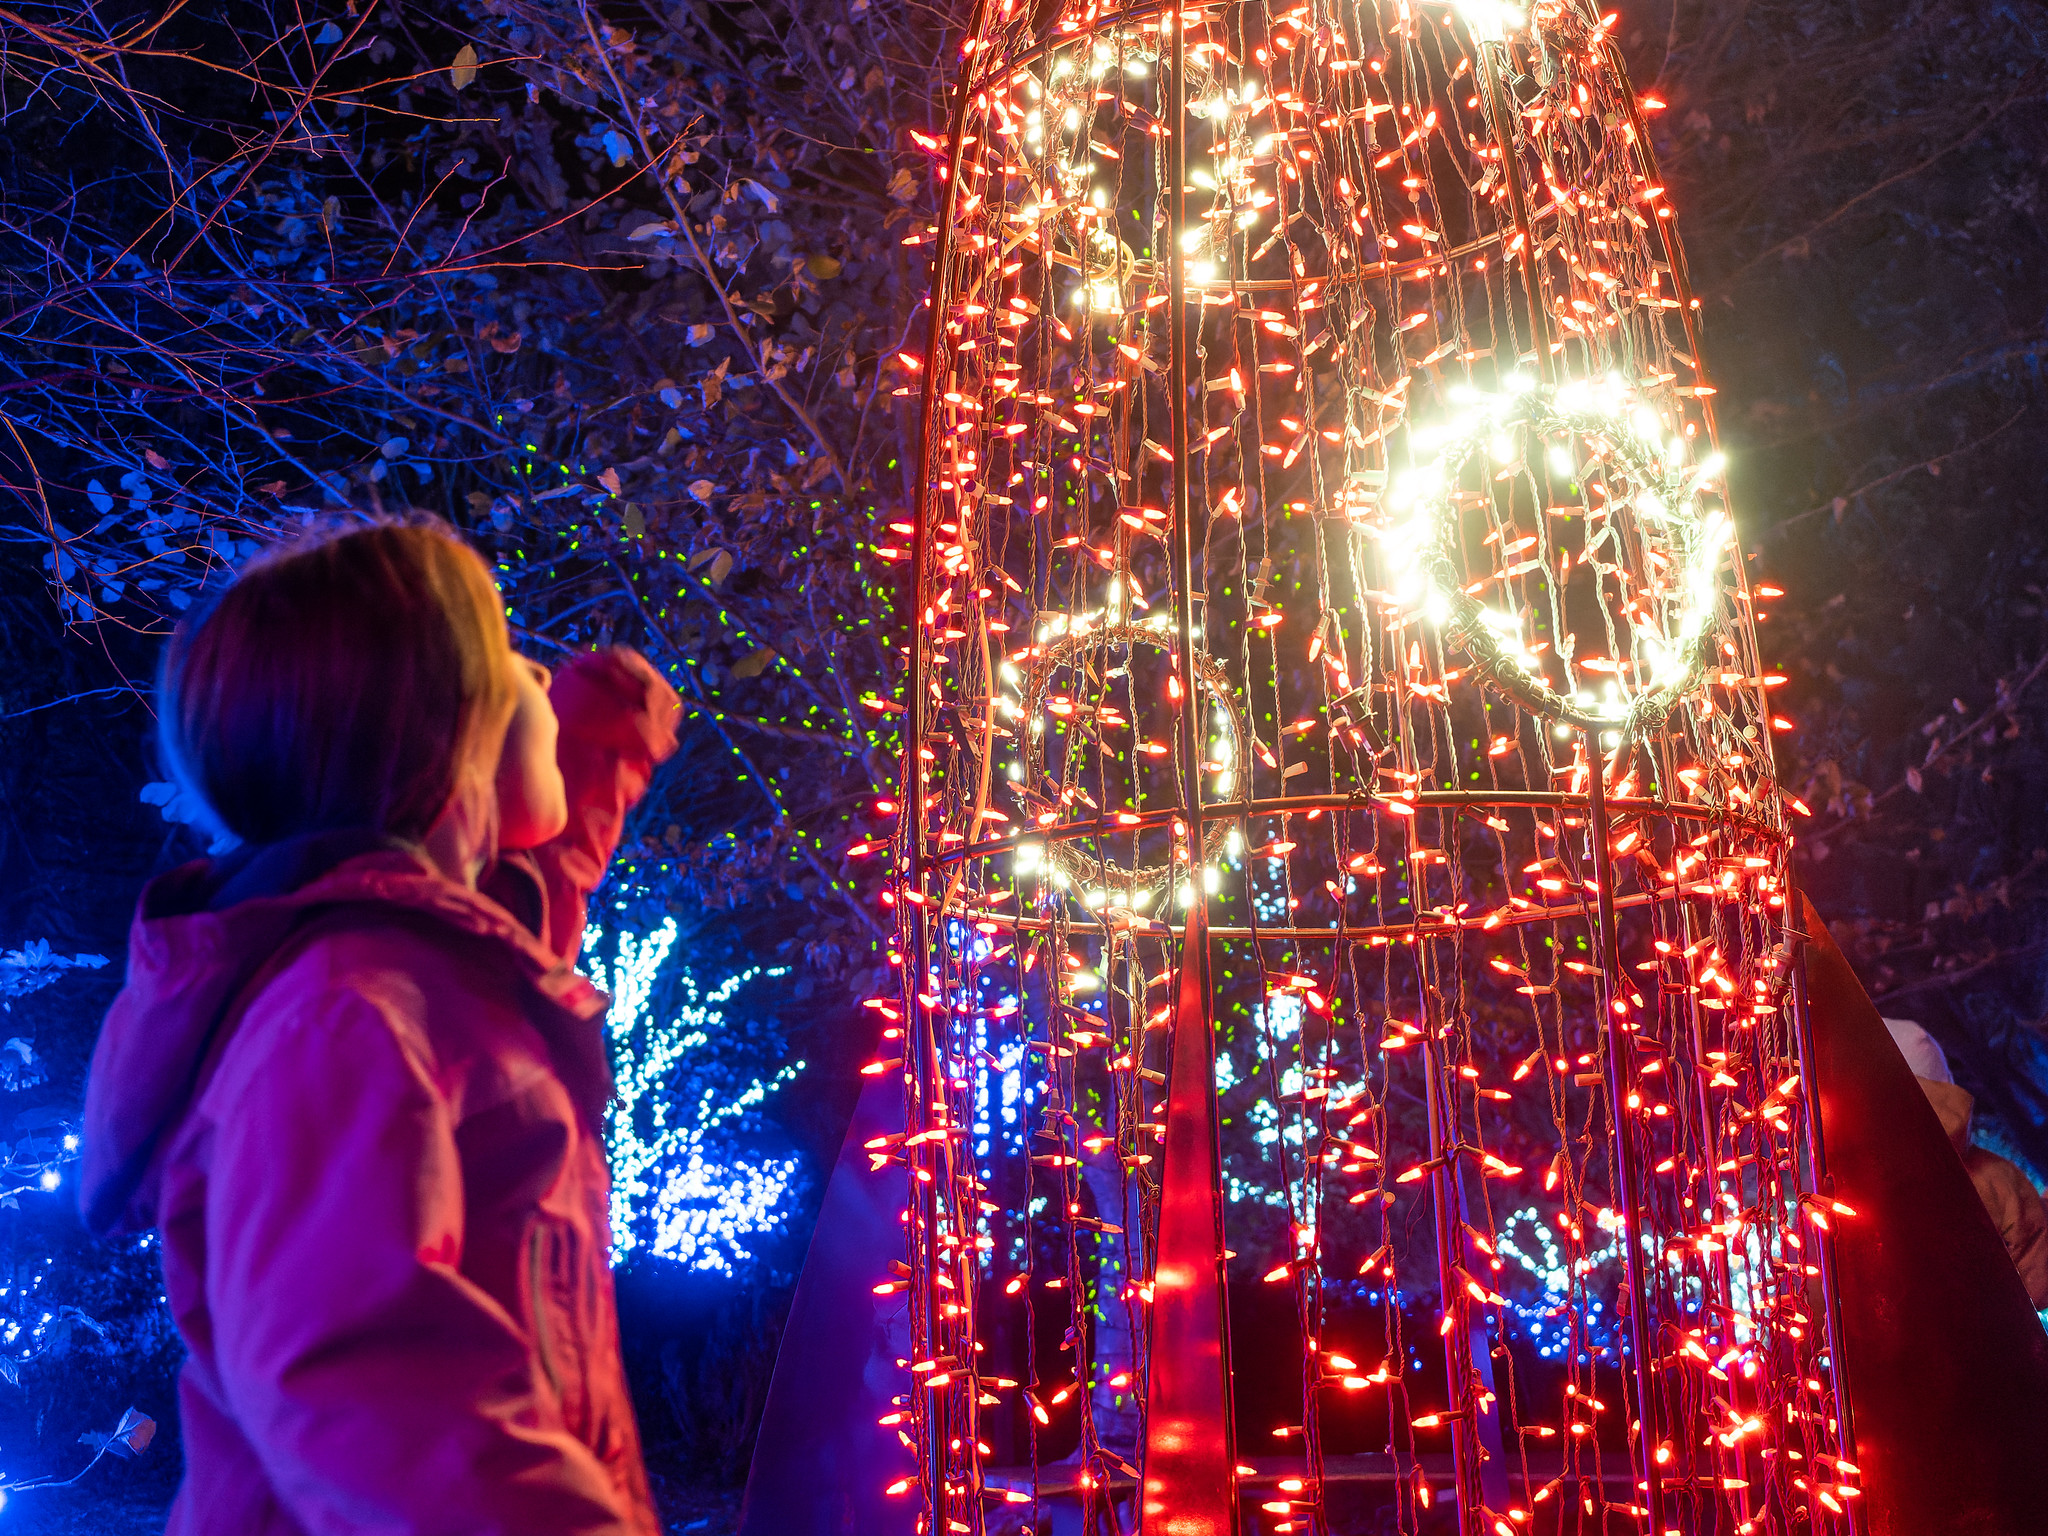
(353, 1079)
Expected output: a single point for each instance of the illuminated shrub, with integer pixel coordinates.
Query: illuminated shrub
(692, 1181)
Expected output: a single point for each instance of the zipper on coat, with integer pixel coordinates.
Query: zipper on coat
(536, 1283)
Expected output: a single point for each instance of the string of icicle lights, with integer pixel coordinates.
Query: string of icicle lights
(1320, 522)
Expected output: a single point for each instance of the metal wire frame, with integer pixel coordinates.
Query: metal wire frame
(946, 874)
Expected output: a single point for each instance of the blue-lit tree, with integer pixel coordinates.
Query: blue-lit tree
(42, 1335)
(695, 1179)
(624, 304)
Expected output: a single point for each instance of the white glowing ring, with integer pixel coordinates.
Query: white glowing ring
(1064, 853)
(1667, 494)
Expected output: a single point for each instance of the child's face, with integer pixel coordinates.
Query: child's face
(532, 804)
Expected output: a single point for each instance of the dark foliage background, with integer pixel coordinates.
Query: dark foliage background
(619, 290)
(1865, 216)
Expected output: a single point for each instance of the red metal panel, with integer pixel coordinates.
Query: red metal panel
(1190, 1462)
(822, 1458)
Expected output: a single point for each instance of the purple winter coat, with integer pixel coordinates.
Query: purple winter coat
(362, 1105)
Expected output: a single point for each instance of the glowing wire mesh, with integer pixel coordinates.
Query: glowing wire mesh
(1250, 345)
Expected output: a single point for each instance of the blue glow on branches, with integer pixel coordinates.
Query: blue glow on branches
(1281, 1013)
(686, 1186)
(1269, 896)
(1563, 1281)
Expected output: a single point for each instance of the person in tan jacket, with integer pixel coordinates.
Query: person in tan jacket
(2013, 1202)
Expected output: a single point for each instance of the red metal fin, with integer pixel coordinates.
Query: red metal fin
(1190, 1481)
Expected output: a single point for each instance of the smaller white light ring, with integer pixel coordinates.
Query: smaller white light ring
(1537, 413)
(1064, 854)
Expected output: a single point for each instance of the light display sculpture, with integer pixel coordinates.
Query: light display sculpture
(1335, 685)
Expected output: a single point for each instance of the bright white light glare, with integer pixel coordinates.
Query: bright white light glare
(1490, 19)
(1414, 544)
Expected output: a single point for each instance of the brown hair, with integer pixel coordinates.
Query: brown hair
(344, 681)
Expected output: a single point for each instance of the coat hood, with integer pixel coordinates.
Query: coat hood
(203, 933)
